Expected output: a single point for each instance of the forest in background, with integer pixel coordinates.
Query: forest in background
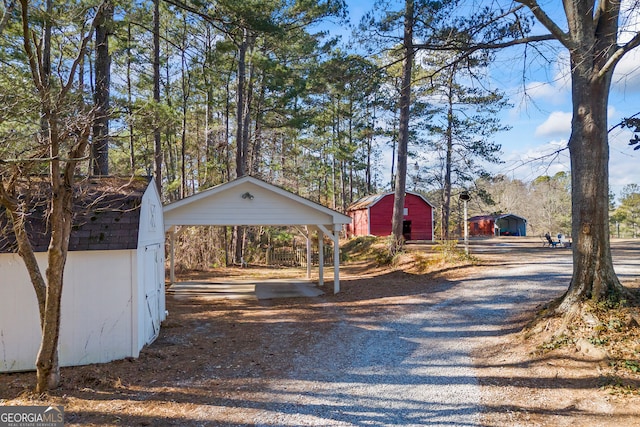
(212, 91)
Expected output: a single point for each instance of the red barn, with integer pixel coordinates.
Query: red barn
(371, 215)
(497, 225)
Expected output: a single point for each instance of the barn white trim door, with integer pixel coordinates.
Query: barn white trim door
(152, 291)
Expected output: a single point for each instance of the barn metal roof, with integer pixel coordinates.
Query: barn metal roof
(482, 218)
(368, 201)
(509, 215)
(106, 215)
(495, 217)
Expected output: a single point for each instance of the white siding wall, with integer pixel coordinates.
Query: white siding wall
(97, 320)
(19, 318)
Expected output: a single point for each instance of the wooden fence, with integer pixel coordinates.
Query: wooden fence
(294, 257)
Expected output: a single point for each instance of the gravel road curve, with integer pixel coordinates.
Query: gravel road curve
(412, 365)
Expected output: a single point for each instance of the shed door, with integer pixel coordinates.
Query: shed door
(152, 289)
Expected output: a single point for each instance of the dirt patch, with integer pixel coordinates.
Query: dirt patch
(554, 374)
(563, 381)
(214, 360)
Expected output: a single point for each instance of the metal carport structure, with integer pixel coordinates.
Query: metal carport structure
(251, 201)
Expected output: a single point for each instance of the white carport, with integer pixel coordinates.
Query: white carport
(250, 201)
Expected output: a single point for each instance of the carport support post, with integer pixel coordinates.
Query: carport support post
(335, 236)
(172, 267)
(336, 258)
(466, 230)
(320, 258)
(308, 236)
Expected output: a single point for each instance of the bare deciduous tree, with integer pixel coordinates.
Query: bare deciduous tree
(61, 143)
(592, 41)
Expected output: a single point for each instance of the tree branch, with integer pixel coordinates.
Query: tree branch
(83, 47)
(623, 122)
(28, 48)
(210, 19)
(468, 51)
(8, 10)
(549, 24)
(487, 46)
(618, 54)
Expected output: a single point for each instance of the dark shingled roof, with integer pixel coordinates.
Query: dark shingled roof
(106, 215)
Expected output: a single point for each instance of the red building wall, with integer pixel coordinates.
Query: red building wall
(481, 227)
(359, 225)
(379, 223)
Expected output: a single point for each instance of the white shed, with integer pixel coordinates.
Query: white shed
(113, 295)
(251, 201)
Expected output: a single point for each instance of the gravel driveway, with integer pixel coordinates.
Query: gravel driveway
(411, 365)
(393, 348)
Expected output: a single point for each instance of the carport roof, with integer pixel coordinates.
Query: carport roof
(249, 201)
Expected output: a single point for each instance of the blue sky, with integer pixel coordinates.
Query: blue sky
(541, 113)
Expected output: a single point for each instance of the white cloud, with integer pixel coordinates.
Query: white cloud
(551, 86)
(557, 124)
(623, 160)
(543, 91)
(552, 157)
(529, 163)
(627, 74)
(626, 78)
(545, 155)
(629, 20)
(562, 77)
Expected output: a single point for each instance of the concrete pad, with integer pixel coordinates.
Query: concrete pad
(245, 289)
(213, 290)
(282, 289)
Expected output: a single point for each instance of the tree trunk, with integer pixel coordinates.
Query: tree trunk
(100, 144)
(8, 11)
(61, 179)
(210, 153)
(237, 237)
(156, 95)
(242, 67)
(227, 127)
(591, 48)
(186, 82)
(403, 130)
(246, 121)
(241, 142)
(369, 142)
(446, 206)
(46, 51)
(47, 367)
(60, 214)
(593, 273)
(132, 151)
(256, 152)
(48, 371)
(17, 216)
